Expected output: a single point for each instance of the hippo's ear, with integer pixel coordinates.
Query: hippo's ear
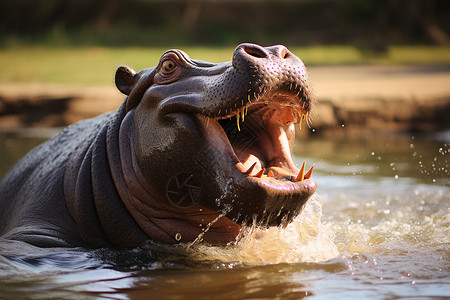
(125, 79)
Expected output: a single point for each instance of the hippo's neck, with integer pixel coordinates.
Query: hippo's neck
(91, 195)
(158, 218)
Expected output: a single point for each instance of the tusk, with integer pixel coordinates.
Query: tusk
(301, 174)
(260, 173)
(251, 168)
(309, 173)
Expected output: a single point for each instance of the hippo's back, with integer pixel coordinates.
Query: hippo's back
(32, 201)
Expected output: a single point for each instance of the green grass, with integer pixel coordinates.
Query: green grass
(96, 65)
(84, 66)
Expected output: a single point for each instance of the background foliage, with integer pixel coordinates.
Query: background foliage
(369, 24)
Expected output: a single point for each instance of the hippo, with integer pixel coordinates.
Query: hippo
(197, 149)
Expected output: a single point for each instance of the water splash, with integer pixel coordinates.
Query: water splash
(199, 238)
(306, 239)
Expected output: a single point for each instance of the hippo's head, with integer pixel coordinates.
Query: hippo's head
(216, 139)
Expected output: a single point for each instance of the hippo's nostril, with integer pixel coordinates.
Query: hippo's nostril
(284, 53)
(255, 51)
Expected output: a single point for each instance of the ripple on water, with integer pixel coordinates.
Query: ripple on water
(381, 237)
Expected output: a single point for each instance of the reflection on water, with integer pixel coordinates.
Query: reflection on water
(385, 204)
(15, 144)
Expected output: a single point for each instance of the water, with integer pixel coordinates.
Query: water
(379, 230)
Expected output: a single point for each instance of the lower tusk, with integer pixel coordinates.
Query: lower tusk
(260, 173)
(301, 174)
(249, 171)
(309, 173)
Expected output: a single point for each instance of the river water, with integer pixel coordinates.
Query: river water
(378, 229)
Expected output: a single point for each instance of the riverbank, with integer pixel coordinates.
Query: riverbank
(351, 100)
(362, 99)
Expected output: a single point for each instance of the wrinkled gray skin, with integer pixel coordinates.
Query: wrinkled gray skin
(172, 160)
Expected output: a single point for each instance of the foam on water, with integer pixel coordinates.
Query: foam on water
(306, 239)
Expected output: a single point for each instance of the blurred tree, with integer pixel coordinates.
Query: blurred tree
(375, 23)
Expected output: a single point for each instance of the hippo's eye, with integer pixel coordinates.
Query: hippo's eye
(168, 65)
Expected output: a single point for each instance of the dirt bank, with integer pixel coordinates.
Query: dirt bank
(381, 98)
(352, 100)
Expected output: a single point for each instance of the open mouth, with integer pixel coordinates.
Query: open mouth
(261, 133)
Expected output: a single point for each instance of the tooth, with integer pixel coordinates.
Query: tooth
(270, 173)
(242, 114)
(260, 173)
(290, 88)
(248, 97)
(207, 121)
(246, 110)
(301, 174)
(249, 171)
(308, 174)
(301, 120)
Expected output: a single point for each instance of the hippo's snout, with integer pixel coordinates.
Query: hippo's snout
(277, 57)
